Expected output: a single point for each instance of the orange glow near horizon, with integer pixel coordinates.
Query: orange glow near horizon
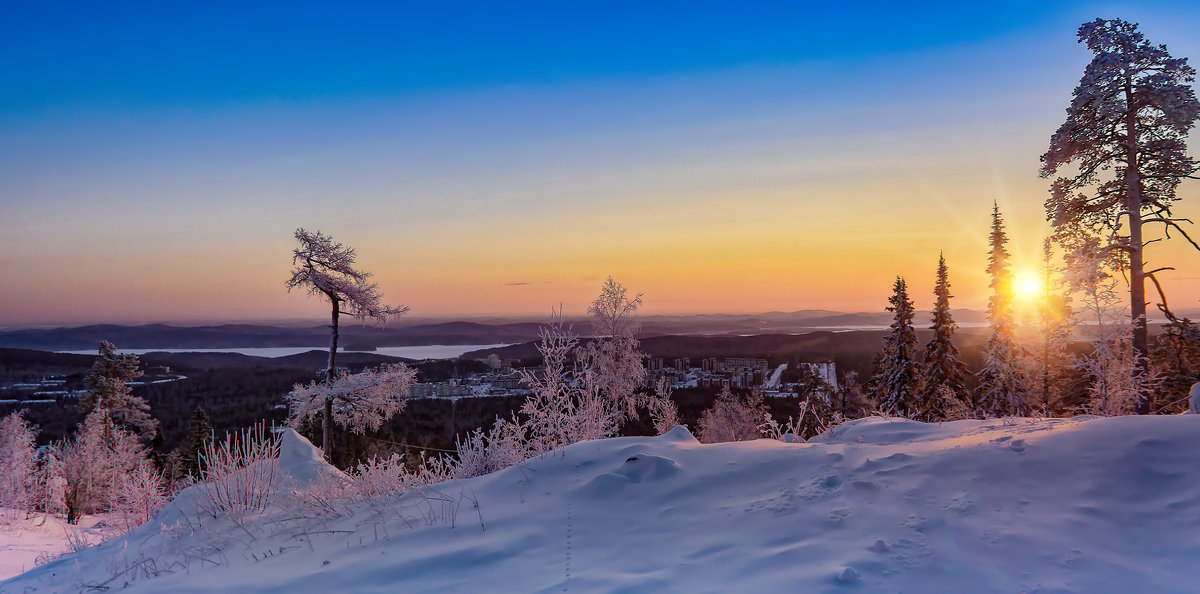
(735, 190)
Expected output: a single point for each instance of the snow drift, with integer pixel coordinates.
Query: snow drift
(875, 505)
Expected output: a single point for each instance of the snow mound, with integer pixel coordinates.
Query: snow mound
(300, 460)
(679, 434)
(877, 505)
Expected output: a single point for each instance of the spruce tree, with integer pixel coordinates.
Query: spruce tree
(108, 389)
(896, 377)
(944, 386)
(1001, 385)
(187, 457)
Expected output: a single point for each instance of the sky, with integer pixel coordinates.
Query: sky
(504, 158)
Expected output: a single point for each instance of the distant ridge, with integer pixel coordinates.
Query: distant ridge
(367, 337)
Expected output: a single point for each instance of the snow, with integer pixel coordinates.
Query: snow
(299, 460)
(23, 539)
(773, 381)
(875, 505)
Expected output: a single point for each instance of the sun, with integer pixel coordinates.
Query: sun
(1029, 287)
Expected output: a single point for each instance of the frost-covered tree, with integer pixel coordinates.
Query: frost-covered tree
(586, 392)
(897, 372)
(18, 462)
(1001, 388)
(612, 362)
(944, 381)
(1047, 358)
(1125, 135)
(555, 404)
(663, 411)
(1114, 376)
(732, 417)
(96, 461)
(52, 481)
(138, 496)
(107, 387)
(359, 402)
(326, 268)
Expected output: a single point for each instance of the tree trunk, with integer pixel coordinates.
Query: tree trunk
(1137, 276)
(327, 420)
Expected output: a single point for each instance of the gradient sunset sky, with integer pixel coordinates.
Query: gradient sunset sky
(502, 158)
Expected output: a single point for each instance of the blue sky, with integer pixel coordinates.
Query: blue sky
(90, 55)
(468, 149)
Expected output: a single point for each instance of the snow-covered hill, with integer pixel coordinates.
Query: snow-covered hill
(877, 505)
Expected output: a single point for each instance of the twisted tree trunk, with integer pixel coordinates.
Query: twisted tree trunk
(327, 418)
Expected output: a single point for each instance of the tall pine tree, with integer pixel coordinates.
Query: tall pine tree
(1124, 146)
(944, 388)
(897, 373)
(1001, 385)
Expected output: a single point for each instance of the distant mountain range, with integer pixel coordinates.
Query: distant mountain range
(368, 337)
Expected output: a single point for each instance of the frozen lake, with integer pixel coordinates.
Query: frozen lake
(433, 351)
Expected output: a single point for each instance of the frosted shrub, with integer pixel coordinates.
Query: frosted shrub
(241, 473)
(139, 496)
(379, 478)
(732, 418)
(505, 445)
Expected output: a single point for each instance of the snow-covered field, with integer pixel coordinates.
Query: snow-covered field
(878, 505)
(24, 539)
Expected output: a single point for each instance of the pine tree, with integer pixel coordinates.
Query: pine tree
(944, 386)
(1001, 385)
(108, 388)
(895, 383)
(1130, 115)
(188, 459)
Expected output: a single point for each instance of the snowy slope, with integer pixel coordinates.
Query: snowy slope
(25, 539)
(879, 505)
